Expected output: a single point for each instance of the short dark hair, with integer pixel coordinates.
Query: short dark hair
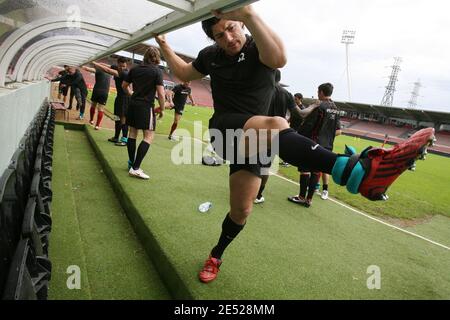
(207, 26)
(326, 88)
(299, 96)
(122, 60)
(66, 66)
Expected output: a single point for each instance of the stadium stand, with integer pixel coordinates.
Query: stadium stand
(373, 127)
(393, 124)
(25, 223)
(443, 138)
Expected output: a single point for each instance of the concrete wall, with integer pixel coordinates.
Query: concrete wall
(17, 108)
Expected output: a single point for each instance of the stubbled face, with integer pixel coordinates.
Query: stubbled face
(229, 36)
(122, 66)
(72, 70)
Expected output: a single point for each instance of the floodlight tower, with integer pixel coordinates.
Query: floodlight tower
(388, 98)
(348, 38)
(412, 103)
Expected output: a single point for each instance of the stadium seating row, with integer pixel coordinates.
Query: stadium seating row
(25, 217)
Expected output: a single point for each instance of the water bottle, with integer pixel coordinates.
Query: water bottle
(204, 207)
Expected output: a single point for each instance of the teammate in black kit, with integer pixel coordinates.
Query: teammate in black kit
(296, 121)
(79, 89)
(64, 83)
(242, 72)
(321, 126)
(100, 94)
(147, 79)
(281, 105)
(180, 94)
(119, 72)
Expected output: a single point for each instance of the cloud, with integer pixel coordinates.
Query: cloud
(415, 30)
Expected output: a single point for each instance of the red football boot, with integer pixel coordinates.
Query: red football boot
(210, 270)
(383, 166)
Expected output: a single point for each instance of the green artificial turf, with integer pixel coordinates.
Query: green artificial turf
(284, 252)
(66, 247)
(90, 230)
(413, 195)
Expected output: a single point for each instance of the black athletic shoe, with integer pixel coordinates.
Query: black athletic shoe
(297, 199)
(113, 140)
(307, 203)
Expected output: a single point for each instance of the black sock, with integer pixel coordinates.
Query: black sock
(325, 187)
(142, 151)
(304, 181)
(262, 187)
(299, 150)
(117, 130)
(131, 146)
(230, 230)
(124, 130)
(313, 180)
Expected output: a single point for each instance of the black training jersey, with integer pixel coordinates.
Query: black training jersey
(241, 83)
(102, 82)
(64, 77)
(119, 80)
(282, 101)
(77, 81)
(328, 121)
(296, 121)
(145, 78)
(181, 94)
(330, 116)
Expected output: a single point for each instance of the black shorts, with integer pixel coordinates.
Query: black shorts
(141, 115)
(227, 148)
(121, 106)
(100, 97)
(179, 109)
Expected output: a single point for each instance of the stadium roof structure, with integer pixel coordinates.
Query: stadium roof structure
(435, 117)
(36, 35)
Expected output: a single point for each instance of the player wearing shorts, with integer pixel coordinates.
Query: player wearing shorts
(282, 105)
(321, 126)
(119, 72)
(99, 96)
(146, 79)
(180, 93)
(242, 72)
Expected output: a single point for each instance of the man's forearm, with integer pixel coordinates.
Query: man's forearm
(306, 112)
(176, 64)
(107, 69)
(88, 69)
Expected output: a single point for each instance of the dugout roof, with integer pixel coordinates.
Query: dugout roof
(36, 35)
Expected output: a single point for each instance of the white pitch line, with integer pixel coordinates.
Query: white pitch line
(374, 219)
(357, 211)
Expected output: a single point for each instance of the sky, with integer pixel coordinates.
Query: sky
(415, 30)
